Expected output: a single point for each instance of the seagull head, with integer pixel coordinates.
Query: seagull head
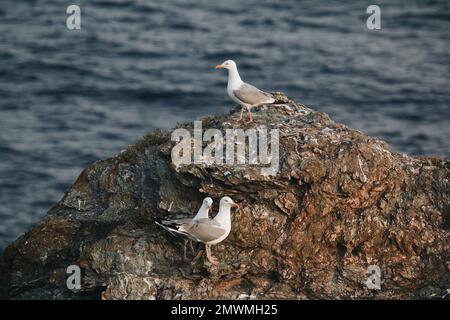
(229, 65)
(227, 202)
(207, 203)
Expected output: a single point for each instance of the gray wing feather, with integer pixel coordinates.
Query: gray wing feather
(176, 221)
(252, 95)
(203, 230)
(172, 228)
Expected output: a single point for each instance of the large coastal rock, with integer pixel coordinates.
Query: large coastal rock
(340, 202)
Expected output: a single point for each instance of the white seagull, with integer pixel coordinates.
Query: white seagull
(205, 230)
(243, 93)
(205, 209)
(202, 213)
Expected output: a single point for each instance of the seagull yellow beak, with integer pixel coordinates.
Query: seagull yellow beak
(235, 205)
(219, 66)
(210, 209)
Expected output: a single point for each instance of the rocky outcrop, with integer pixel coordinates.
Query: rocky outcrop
(341, 202)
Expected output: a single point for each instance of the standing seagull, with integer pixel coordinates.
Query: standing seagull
(243, 93)
(202, 213)
(207, 231)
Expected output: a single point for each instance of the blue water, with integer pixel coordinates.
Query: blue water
(68, 98)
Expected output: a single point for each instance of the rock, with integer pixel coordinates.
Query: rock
(341, 202)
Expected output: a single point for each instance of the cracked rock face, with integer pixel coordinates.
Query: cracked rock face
(340, 202)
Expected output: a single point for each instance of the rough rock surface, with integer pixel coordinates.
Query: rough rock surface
(341, 201)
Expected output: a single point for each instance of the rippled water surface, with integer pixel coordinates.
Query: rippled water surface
(68, 98)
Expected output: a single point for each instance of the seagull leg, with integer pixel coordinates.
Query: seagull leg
(240, 116)
(185, 245)
(211, 259)
(250, 117)
(192, 247)
(199, 254)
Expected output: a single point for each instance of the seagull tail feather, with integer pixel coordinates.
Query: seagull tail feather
(172, 230)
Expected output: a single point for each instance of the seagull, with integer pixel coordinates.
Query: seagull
(243, 93)
(205, 209)
(203, 213)
(205, 230)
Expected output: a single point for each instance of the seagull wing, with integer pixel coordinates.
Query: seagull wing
(173, 225)
(200, 230)
(203, 230)
(251, 95)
